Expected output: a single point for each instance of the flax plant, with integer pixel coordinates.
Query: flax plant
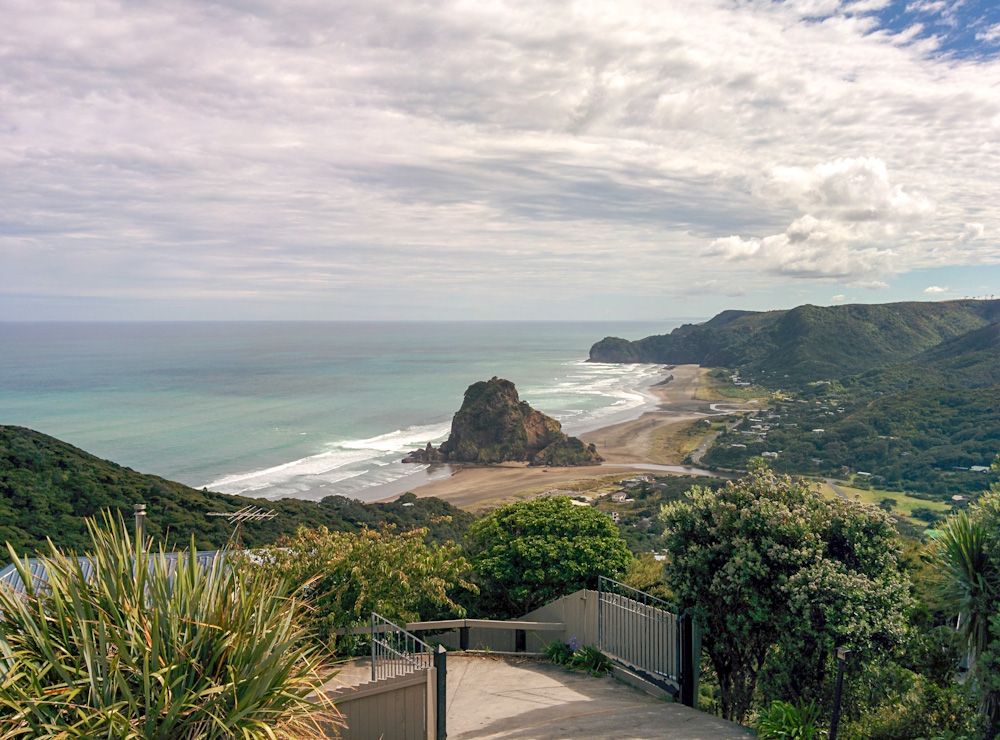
(143, 647)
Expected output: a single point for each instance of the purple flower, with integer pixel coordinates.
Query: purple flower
(574, 644)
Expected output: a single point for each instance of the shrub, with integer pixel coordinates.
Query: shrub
(785, 721)
(559, 652)
(138, 649)
(348, 575)
(573, 655)
(592, 661)
(532, 552)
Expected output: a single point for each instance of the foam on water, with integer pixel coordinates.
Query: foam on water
(338, 464)
(303, 409)
(584, 397)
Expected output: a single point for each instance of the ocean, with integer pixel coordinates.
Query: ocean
(304, 409)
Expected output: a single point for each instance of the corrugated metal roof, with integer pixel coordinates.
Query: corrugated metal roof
(10, 578)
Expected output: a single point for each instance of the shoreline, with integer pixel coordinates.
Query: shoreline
(624, 445)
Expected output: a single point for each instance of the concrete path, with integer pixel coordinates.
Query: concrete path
(524, 699)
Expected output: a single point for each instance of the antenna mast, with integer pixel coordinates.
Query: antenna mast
(248, 513)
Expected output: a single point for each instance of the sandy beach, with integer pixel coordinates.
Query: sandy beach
(626, 447)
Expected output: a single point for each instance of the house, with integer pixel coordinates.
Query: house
(819, 431)
(619, 497)
(980, 468)
(11, 578)
(769, 454)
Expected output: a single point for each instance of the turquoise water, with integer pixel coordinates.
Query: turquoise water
(296, 409)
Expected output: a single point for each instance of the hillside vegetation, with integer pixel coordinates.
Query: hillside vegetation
(809, 343)
(906, 393)
(48, 487)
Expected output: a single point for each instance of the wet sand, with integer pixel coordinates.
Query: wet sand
(626, 447)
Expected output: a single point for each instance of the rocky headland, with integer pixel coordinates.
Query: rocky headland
(495, 426)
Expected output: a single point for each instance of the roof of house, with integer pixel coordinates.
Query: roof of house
(11, 578)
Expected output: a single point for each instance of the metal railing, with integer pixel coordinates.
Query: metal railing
(639, 631)
(396, 652)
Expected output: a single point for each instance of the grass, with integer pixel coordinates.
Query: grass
(903, 504)
(714, 389)
(671, 443)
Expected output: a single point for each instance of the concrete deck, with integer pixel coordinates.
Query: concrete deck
(523, 699)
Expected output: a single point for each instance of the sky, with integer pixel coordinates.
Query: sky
(494, 159)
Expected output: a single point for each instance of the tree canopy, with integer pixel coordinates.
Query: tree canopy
(778, 578)
(348, 575)
(529, 553)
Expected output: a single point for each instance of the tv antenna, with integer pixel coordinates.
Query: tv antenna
(248, 513)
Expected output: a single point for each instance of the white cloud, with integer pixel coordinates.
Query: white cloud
(971, 232)
(990, 34)
(869, 284)
(851, 205)
(839, 297)
(927, 6)
(934, 289)
(866, 6)
(452, 154)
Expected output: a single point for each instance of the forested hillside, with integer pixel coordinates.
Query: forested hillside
(907, 393)
(921, 425)
(48, 487)
(808, 343)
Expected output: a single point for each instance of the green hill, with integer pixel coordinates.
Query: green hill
(809, 343)
(48, 487)
(919, 425)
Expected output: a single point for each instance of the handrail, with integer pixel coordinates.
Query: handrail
(500, 624)
(640, 631)
(396, 652)
(635, 594)
(445, 624)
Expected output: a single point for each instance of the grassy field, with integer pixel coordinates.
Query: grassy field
(715, 389)
(903, 504)
(670, 444)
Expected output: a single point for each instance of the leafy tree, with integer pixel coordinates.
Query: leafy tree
(136, 648)
(645, 573)
(778, 577)
(348, 575)
(532, 552)
(967, 556)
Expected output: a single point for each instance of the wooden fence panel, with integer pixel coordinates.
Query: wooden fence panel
(388, 709)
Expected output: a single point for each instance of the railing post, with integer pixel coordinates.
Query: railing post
(600, 612)
(520, 641)
(373, 646)
(463, 638)
(689, 663)
(441, 664)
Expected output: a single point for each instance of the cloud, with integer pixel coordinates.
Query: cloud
(970, 233)
(990, 34)
(869, 284)
(935, 289)
(839, 297)
(436, 155)
(854, 216)
(708, 288)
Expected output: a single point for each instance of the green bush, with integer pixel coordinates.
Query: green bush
(529, 553)
(559, 652)
(349, 575)
(785, 721)
(592, 661)
(577, 657)
(141, 649)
